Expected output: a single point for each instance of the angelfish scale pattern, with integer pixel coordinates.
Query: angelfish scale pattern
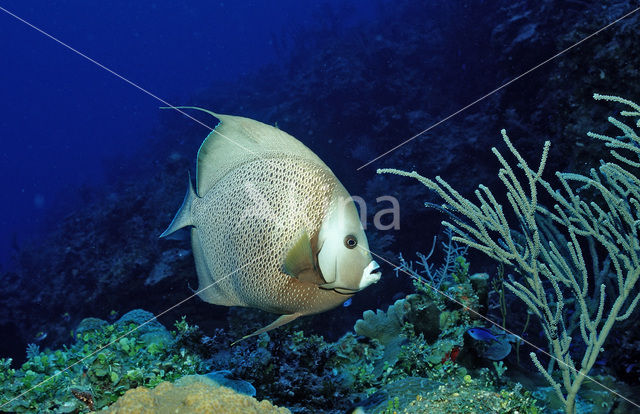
(250, 218)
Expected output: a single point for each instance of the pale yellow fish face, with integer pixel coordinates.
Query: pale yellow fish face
(344, 258)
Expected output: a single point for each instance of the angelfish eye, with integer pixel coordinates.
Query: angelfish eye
(350, 242)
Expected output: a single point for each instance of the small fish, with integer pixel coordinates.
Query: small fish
(495, 345)
(483, 334)
(113, 315)
(40, 336)
(271, 226)
(347, 303)
(84, 396)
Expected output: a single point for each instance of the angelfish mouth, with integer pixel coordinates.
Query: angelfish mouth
(371, 274)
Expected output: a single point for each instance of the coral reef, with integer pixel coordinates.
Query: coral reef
(103, 362)
(190, 396)
(417, 396)
(403, 363)
(545, 246)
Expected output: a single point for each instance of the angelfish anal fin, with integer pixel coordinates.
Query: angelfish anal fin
(282, 320)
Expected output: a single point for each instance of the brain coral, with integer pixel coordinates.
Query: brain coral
(193, 397)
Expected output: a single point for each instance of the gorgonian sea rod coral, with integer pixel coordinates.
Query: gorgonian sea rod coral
(579, 261)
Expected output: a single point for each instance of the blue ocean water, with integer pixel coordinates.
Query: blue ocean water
(63, 116)
(93, 171)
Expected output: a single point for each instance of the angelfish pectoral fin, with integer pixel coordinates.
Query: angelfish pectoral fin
(282, 320)
(299, 257)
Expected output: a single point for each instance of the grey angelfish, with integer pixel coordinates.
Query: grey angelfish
(271, 226)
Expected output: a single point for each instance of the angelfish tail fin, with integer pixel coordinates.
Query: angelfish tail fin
(282, 320)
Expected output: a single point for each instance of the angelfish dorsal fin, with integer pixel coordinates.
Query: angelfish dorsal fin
(237, 140)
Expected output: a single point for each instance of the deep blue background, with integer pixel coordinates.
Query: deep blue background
(61, 116)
